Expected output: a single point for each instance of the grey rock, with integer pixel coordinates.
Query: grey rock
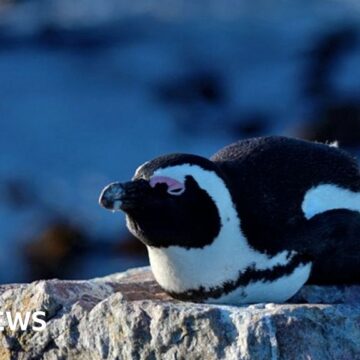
(127, 316)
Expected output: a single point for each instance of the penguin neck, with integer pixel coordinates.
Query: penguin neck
(179, 269)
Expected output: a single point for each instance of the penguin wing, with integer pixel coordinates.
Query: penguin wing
(331, 239)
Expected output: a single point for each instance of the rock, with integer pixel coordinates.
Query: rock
(127, 316)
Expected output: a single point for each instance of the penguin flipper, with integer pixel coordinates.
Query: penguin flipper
(332, 240)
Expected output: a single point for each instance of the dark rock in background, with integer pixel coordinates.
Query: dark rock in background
(200, 87)
(17, 193)
(337, 122)
(195, 100)
(55, 251)
(60, 247)
(325, 58)
(253, 126)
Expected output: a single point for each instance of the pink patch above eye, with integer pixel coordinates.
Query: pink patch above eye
(173, 185)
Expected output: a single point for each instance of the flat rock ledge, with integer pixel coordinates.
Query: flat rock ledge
(127, 316)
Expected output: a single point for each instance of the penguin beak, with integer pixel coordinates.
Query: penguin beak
(123, 196)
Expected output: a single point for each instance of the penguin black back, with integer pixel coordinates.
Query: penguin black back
(269, 177)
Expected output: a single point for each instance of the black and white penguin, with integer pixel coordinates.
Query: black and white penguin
(252, 224)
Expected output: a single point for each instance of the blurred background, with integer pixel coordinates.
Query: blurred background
(91, 89)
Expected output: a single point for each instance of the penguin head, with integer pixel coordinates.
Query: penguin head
(170, 201)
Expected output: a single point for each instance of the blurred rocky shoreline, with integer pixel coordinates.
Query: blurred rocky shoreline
(92, 89)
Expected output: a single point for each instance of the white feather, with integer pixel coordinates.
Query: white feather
(276, 291)
(329, 197)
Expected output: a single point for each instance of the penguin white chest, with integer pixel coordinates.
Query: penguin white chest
(217, 276)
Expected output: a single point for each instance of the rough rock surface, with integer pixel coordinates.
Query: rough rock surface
(127, 316)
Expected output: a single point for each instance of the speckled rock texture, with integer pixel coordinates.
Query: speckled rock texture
(127, 316)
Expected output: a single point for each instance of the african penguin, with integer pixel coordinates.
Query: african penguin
(252, 224)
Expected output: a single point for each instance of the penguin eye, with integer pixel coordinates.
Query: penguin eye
(177, 191)
(174, 187)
